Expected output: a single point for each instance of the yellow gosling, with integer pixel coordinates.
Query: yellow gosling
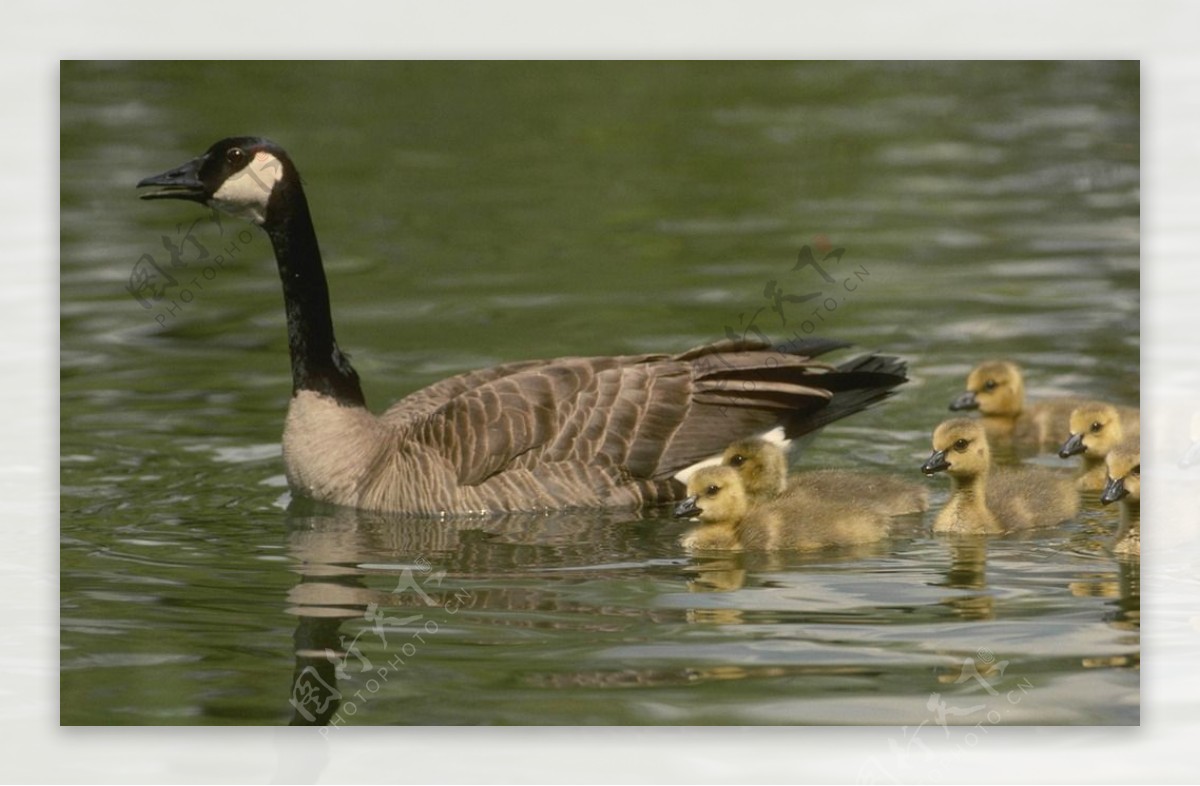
(987, 499)
(1096, 428)
(762, 466)
(1124, 464)
(729, 521)
(997, 389)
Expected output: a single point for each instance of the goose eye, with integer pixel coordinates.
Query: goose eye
(712, 489)
(235, 156)
(1096, 427)
(989, 385)
(737, 461)
(961, 444)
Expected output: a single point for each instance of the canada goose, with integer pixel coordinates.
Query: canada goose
(524, 436)
(987, 499)
(997, 389)
(763, 468)
(729, 521)
(1096, 427)
(1124, 463)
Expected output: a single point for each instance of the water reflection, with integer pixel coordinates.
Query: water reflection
(968, 571)
(431, 571)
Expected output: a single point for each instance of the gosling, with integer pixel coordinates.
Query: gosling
(730, 522)
(1096, 428)
(1124, 466)
(993, 500)
(762, 466)
(997, 389)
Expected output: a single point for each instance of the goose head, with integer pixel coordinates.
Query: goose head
(960, 449)
(994, 388)
(762, 466)
(1095, 428)
(244, 176)
(1124, 463)
(715, 494)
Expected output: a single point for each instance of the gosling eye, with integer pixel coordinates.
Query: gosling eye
(712, 490)
(1136, 471)
(989, 385)
(961, 444)
(1096, 427)
(737, 460)
(235, 156)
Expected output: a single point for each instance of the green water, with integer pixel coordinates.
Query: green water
(472, 214)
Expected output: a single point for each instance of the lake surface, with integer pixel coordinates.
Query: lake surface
(472, 214)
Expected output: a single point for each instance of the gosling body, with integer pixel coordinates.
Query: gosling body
(728, 520)
(996, 389)
(993, 500)
(762, 466)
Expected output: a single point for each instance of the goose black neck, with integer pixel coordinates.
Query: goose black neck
(317, 363)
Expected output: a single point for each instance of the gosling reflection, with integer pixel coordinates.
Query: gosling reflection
(968, 571)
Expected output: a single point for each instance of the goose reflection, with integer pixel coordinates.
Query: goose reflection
(375, 589)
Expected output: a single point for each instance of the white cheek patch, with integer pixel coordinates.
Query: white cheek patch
(246, 193)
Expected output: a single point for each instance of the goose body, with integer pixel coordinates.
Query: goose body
(996, 389)
(1124, 469)
(763, 469)
(1096, 428)
(992, 500)
(524, 436)
(730, 521)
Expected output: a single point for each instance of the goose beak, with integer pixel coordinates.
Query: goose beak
(936, 463)
(688, 508)
(1072, 446)
(964, 401)
(1113, 491)
(182, 182)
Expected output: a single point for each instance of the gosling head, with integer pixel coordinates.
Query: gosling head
(245, 176)
(960, 449)
(994, 388)
(715, 494)
(1095, 429)
(1124, 463)
(762, 466)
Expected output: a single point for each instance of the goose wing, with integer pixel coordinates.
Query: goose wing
(646, 416)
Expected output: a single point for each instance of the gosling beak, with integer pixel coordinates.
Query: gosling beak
(182, 182)
(964, 401)
(1113, 491)
(1072, 446)
(688, 508)
(936, 463)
